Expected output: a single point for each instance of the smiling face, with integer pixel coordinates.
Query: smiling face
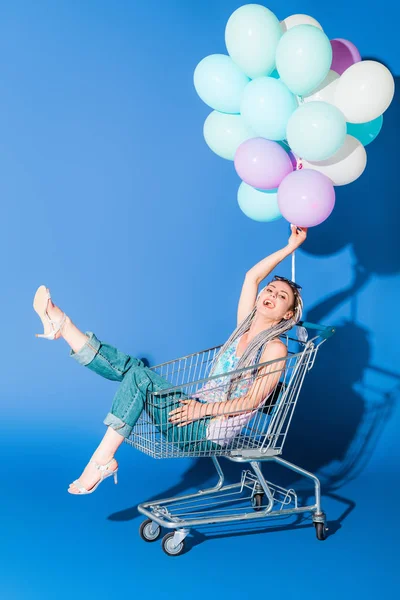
(276, 301)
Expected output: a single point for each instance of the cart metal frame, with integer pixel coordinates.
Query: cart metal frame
(262, 442)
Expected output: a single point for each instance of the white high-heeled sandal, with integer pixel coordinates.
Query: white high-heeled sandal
(40, 302)
(104, 473)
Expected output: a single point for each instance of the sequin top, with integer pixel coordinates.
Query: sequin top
(215, 389)
(222, 430)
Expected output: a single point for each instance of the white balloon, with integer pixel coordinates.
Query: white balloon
(295, 20)
(325, 92)
(345, 166)
(224, 133)
(364, 91)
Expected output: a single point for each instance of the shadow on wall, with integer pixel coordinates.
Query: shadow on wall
(339, 417)
(330, 411)
(367, 212)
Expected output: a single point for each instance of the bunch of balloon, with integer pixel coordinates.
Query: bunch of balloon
(293, 110)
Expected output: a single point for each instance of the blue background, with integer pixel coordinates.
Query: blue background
(111, 197)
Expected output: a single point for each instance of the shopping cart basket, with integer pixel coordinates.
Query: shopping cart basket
(259, 436)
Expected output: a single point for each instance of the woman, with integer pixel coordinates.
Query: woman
(261, 320)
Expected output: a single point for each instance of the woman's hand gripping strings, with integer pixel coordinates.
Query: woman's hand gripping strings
(297, 237)
(263, 268)
(265, 382)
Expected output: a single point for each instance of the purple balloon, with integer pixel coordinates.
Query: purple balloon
(306, 198)
(262, 163)
(344, 54)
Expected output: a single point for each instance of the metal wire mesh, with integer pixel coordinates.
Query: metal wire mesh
(262, 426)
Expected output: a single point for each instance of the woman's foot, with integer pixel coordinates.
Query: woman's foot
(53, 318)
(55, 313)
(92, 474)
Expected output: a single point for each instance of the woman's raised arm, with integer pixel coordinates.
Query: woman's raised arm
(262, 269)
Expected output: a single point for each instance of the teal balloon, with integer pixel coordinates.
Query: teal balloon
(266, 107)
(303, 58)
(224, 133)
(316, 131)
(220, 83)
(251, 37)
(365, 132)
(257, 204)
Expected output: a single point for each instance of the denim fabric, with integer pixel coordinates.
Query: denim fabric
(137, 382)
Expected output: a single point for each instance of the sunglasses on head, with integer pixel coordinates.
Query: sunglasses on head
(289, 281)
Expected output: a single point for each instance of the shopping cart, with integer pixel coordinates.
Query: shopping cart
(261, 438)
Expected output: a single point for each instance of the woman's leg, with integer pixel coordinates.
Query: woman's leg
(129, 400)
(87, 350)
(128, 404)
(103, 454)
(127, 407)
(137, 392)
(108, 362)
(75, 338)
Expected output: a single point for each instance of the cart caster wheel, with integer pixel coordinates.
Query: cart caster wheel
(146, 533)
(320, 530)
(256, 501)
(168, 548)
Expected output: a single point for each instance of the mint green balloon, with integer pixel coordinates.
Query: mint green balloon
(266, 107)
(303, 58)
(316, 130)
(257, 204)
(251, 37)
(220, 83)
(365, 132)
(224, 133)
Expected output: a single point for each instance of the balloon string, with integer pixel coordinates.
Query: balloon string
(299, 161)
(293, 267)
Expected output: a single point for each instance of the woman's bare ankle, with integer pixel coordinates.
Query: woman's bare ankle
(102, 458)
(73, 336)
(66, 326)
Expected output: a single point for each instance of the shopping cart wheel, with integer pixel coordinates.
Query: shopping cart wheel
(256, 501)
(149, 531)
(320, 530)
(168, 548)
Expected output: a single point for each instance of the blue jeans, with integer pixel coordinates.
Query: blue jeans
(137, 382)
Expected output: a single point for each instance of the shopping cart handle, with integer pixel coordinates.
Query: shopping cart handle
(326, 331)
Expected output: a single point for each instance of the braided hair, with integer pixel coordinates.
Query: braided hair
(259, 341)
